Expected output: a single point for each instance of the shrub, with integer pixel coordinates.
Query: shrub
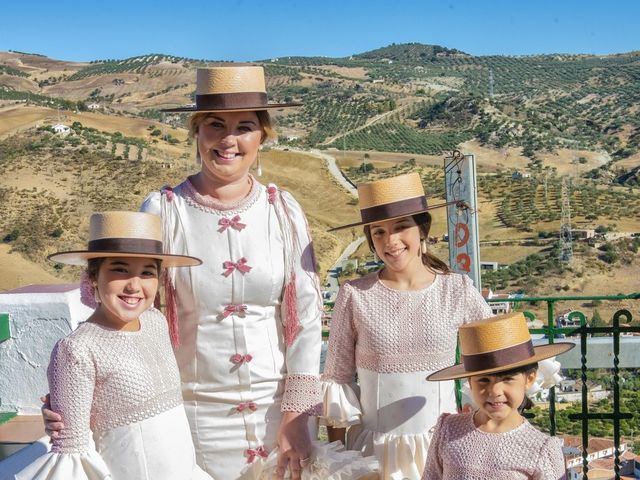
(12, 236)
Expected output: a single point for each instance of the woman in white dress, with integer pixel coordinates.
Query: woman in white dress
(392, 328)
(114, 380)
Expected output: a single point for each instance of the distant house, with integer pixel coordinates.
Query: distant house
(579, 234)
(491, 266)
(61, 130)
(498, 308)
(600, 457)
(94, 106)
(519, 175)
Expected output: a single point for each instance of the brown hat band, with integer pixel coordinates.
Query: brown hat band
(128, 245)
(221, 101)
(394, 209)
(499, 358)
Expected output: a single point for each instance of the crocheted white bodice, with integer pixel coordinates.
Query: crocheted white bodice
(459, 450)
(101, 378)
(386, 331)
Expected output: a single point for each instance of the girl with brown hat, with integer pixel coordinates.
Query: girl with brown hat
(246, 326)
(495, 441)
(114, 380)
(392, 328)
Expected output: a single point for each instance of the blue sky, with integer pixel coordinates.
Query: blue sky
(245, 30)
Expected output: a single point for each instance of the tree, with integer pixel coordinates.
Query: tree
(597, 321)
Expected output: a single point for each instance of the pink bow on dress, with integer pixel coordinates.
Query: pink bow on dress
(246, 406)
(271, 194)
(230, 266)
(252, 453)
(230, 309)
(233, 223)
(239, 358)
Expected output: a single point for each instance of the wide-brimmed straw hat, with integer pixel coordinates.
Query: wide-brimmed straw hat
(390, 198)
(496, 345)
(230, 89)
(124, 234)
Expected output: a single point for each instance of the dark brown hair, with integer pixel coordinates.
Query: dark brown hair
(94, 264)
(526, 370)
(423, 221)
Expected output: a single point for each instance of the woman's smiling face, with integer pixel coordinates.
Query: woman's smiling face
(228, 143)
(397, 243)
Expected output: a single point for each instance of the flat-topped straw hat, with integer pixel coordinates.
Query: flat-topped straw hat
(234, 88)
(124, 234)
(390, 198)
(497, 344)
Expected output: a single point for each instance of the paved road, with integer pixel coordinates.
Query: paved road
(331, 285)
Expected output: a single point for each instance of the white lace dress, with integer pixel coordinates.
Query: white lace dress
(119, 397)
(460, 450)
(393, 339)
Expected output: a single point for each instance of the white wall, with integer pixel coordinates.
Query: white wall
(37, 320)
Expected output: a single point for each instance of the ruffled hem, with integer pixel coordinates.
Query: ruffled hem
(329, 461)
(401, 456)
(66, 466)
(341, 407)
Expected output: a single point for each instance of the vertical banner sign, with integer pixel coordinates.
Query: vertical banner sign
(462, 217)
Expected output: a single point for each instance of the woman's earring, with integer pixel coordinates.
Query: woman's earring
(423, 246)
(258, 165)
(96, 295)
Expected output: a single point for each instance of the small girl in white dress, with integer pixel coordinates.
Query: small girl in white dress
(114, 380)
(495, 441)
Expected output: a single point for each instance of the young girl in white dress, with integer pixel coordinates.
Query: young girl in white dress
(495, 441)
(114, 380)
(392, 328)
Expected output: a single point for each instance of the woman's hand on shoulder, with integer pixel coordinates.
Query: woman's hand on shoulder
(52, 420)
(294, 445)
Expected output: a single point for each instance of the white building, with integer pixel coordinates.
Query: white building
(61, 129)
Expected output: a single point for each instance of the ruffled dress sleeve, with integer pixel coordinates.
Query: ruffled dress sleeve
(551, 462)
(341, 406)
(302, 386)
(73, 456)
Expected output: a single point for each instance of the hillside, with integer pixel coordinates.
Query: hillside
(399, 108)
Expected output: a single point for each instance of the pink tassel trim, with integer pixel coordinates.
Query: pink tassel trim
(292, 321)
(87, 292)
(171, 311)
(168, 191)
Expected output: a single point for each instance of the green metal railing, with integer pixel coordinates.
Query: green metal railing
(582, 331)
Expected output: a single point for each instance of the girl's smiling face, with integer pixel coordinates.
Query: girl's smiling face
(228, 143)
(498, 398)
(127, 287)
(397, 243)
